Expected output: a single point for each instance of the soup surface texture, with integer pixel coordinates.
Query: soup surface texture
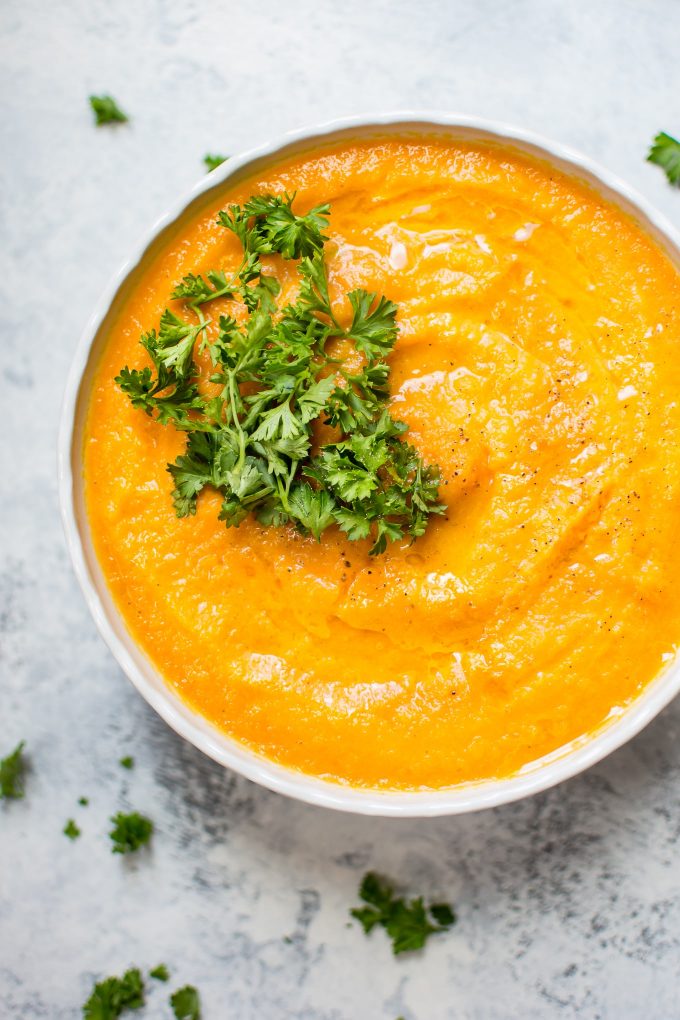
(537, 364)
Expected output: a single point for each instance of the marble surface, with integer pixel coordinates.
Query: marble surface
(569, 904)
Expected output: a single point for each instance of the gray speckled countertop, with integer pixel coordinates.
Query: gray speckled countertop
(569, 904)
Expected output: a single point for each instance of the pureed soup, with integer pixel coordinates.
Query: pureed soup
(537, 365)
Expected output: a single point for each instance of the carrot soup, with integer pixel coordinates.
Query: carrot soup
(536, 366)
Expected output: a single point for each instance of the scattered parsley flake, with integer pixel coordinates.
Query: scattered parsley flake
(253, 441)
(12, 772)
(160, 973)
(186, 1003)
(213, 161)
(71, 829)
(130, 832)
(111, 997)
(83, 801)
(408, 923)
(107, 111)
(128, 762)
(665, 152)
(443, 914)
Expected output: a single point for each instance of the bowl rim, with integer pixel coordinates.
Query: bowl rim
(565, 762)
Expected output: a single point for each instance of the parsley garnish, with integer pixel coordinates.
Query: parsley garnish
(12, 771)
(253, 440)
(160, 973)
(83, 801)
(406, 921)
(128, 762)
(107, 111)
(186, 1004)
(212, 162)
(110, 998)
(71, 829)
(665, 152)
(130, 832)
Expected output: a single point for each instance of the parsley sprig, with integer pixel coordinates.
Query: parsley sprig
(114, 996)
(130, 832)
(111, 997)
(107, 111)
(665, 152)
(407, 922)
(253, 440)
(12, 771)
(71, 830)
(186, 1004)
(213, 160)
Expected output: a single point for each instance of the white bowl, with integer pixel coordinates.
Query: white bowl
(563, 763)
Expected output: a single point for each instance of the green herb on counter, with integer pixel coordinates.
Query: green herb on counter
(186, 1003)
(83, 801)
(665, 152)
(110, 998)
(71, 829)
(212, 162)
(128, 762)
(160, 973)
(130, 832)
(107, 111)
(12, 773)
(408, 923)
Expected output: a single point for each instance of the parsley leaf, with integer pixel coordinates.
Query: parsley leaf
(71, 829)
(160, 973)
(110, 998)
(313, 508)
(12, 771)
(83, 801)
(107, 111)
(130, 832)
(213, 161)
(128, 762)
(313, 297)
(443, 914)
(374, 324)
(198, 290)
(665, 152)
(186, 1003)
(173, 346)
(407, 922)
(267, 224)
(210, 459)
(171, 398)
(252, 437)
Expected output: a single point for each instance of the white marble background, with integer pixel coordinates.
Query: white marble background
(569, 904)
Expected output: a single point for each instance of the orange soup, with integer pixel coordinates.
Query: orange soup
(537, 364)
